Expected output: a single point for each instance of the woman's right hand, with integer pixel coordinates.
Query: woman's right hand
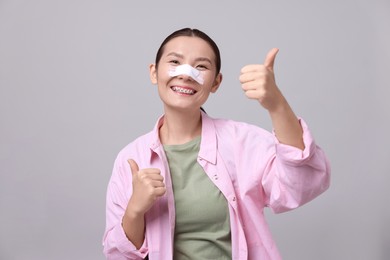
(148, 186)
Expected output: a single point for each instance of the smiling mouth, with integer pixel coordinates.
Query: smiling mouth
(181, 90)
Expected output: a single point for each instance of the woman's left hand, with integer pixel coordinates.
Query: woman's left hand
(258, 82)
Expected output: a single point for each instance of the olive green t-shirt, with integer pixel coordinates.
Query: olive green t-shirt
(202, 229)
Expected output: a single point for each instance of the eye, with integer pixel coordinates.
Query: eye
(176, 62)
(201, 67)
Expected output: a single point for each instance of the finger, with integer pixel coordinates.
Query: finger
(253, 94)
(157, 184)
(160, 191)
(270, 59)
(251, 68)
(133, 166)
(248, 86)
(252, 76)
(246, 77)
(155, 176)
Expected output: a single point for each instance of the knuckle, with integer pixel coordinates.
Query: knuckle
(142, 176)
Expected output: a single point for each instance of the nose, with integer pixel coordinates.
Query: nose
(186, 72)
(185, 77)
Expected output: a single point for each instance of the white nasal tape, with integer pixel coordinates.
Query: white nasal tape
(188, 70)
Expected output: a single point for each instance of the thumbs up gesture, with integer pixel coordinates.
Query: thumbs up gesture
(258, 82)
(148, 185)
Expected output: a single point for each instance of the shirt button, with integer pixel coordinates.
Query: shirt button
(215, 177)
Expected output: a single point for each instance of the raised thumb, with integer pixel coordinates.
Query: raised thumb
(270, 58)
(133, 166)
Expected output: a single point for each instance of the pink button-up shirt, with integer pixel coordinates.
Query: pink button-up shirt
(247, 164)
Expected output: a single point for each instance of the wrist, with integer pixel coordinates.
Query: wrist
(133, 212)
(281, 107)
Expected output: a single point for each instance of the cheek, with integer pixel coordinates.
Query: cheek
(209, 79)
(163, 74)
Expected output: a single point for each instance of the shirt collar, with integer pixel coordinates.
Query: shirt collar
(208, 145)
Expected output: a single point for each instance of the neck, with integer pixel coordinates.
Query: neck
(180, 127)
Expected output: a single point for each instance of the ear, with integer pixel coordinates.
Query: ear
(153, 73)
(217, 83)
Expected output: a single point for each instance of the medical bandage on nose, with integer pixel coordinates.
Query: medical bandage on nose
(188, 70)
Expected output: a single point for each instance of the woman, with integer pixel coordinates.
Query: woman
(195, 187)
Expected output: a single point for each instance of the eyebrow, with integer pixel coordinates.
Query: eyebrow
(178, 55)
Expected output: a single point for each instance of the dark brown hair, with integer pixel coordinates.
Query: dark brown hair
(191, 33)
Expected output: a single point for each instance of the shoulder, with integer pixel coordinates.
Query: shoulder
(238, 128)
(136, 149)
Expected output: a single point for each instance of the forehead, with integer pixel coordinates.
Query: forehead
(189, 46)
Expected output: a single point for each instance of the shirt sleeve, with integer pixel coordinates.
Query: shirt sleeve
(115, 243)
(295, 177)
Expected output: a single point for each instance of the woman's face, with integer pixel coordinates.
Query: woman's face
(183, 92)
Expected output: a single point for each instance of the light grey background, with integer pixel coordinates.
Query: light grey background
(74, 89)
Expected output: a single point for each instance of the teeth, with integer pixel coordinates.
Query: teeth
(183, 90)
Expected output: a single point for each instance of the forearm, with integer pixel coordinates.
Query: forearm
(286, 125)
(134, 226)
